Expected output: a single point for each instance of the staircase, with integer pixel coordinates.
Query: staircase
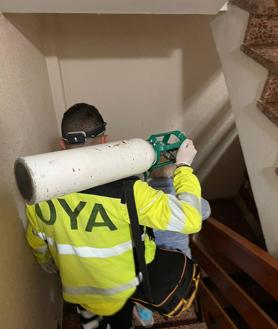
(240, 214)
(238, 288)
(188, 320)
(261, 44)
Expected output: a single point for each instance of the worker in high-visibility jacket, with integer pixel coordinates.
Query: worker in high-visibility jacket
(86, 235)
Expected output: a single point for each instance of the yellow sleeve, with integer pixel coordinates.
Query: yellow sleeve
(36, 238)
(180, 213)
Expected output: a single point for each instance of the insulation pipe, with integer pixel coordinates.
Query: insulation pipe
(45, 176)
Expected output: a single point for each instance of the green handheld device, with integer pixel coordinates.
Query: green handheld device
(163, 146)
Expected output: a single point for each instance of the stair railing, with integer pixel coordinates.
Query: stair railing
(223, 256)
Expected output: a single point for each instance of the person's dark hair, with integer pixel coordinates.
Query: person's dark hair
(81, 116)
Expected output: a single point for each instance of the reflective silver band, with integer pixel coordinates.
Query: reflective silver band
(177, 219)
(100, 291)
(41, 250)
(86, 252)
(40, 235)
(67, 249)
(191, 199)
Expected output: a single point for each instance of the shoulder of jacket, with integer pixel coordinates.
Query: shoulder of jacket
(112, 190)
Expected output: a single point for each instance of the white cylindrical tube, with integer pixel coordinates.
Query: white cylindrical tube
(45, 176)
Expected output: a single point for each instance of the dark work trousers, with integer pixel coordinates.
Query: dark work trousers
(120, 320)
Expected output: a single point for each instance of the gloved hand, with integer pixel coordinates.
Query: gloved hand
(49, 267)
(186, 153)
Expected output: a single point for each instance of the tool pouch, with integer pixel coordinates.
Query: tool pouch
(170, 282)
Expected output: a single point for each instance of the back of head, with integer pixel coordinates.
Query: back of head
(166, 171)
(163, 172)
(81, 117)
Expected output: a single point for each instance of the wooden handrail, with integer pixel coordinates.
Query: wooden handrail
(212, 307)
(253, 260)
(220, 291)
(246, 307)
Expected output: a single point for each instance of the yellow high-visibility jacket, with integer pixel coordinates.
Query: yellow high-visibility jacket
(88, 236)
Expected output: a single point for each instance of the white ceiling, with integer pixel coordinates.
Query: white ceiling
(113, 6)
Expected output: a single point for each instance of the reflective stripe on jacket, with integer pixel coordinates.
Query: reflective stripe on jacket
(88, 236)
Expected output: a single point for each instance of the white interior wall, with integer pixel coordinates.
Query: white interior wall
(112, 6)
(29, 297)
(141, 68)
(258, 135)
(146, 74)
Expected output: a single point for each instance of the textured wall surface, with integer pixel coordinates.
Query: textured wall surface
(28, 296)
(258, 135)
